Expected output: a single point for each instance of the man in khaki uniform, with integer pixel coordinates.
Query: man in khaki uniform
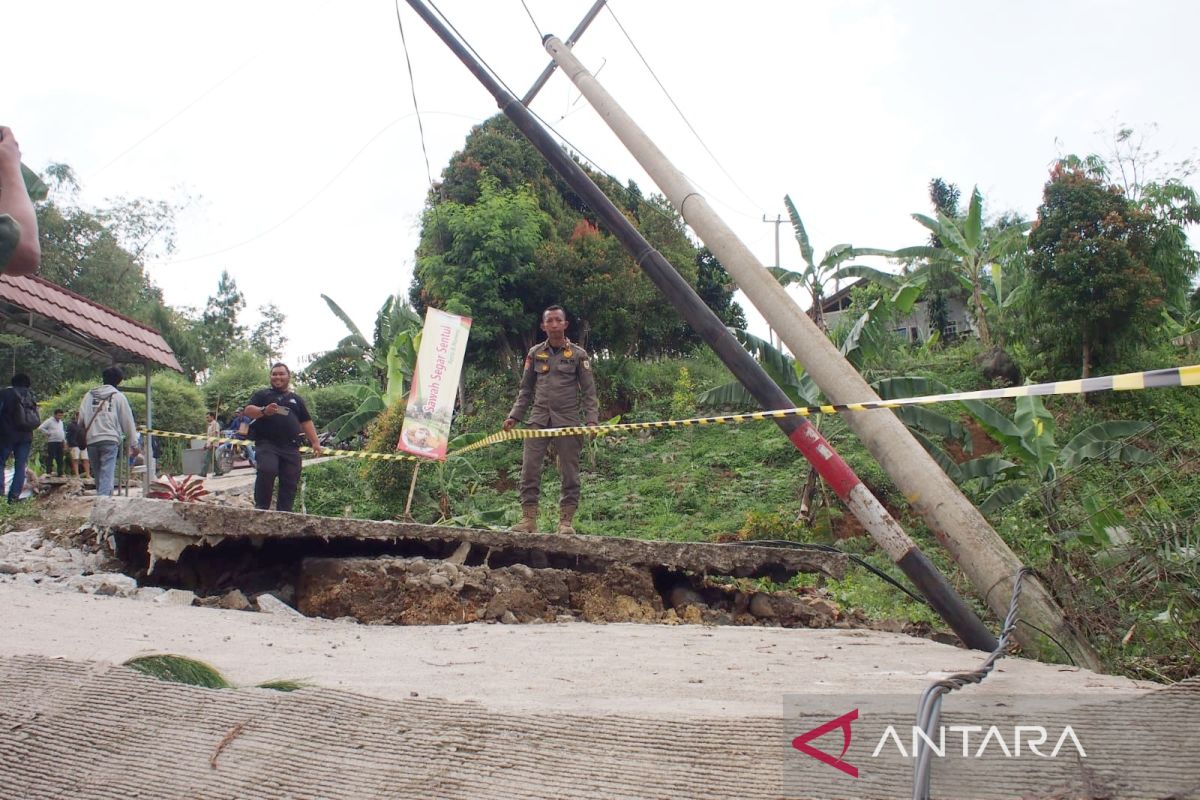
(557, 379)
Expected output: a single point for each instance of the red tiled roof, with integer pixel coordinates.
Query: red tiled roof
(46, 312)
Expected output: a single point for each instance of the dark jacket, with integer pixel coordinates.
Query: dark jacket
(10, 397)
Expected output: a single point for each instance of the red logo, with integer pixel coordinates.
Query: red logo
(801, 743)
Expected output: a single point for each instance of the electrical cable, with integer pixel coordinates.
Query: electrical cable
(413, 86)
(675, 105)
(826, 548)
(175, 116)
(929, 710)
(537, 28)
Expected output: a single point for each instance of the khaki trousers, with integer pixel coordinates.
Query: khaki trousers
(534, 456)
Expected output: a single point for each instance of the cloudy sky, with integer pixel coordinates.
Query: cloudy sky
(288, 128)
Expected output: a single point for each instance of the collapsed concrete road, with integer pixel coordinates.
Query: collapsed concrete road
(559, 709)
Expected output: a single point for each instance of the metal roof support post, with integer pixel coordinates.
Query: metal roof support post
(148, 444)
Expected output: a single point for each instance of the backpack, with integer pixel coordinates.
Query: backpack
(98, 407)
(24, 413)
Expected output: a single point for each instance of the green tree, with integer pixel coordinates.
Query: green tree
(267, 337)
(815, 275)
(716, 289)
(478, 260)
(219, 326)
(1088, 267)
(969, 250)
(230, 384)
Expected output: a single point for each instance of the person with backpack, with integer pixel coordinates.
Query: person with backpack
(78, 447)
(105, 415)
(18, 420)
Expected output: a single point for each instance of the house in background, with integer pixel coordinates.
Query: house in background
(913, 327)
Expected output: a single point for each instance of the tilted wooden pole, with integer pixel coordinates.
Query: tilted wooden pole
(984, 558)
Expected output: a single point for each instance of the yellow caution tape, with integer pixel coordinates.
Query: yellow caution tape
(325, 451)
(1175, 376)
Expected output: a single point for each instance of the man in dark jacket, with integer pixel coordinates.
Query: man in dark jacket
(16, 432)
(279, 418)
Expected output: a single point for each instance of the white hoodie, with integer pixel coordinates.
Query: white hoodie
(105, 413)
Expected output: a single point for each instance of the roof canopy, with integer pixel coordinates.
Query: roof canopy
(47, 313)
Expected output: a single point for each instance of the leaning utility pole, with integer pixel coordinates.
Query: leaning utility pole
(864, 505)
(981, 554)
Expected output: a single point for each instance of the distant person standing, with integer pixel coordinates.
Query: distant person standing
(18, 420)
(105, 415)
(78, 447)
(279, 418)
(26, 253)
(56, 443)
(212, 432)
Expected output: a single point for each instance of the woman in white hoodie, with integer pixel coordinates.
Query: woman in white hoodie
(105, 415)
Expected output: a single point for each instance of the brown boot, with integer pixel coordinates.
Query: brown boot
(566, 515)
(528, 523)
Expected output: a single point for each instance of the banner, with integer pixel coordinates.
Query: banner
(426, 430)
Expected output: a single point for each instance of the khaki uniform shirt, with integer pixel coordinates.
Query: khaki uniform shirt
(555, 383)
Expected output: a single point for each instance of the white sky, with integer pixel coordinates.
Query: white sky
(293, 125)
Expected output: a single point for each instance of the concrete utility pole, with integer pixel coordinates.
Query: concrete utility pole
(874, 517)
(776, 222)
(981, 554)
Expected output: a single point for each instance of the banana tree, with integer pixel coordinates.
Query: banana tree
(401, 361)
(1028, 439)
(815, 275)
(968, 249)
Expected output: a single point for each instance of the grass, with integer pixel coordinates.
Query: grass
(190, 672)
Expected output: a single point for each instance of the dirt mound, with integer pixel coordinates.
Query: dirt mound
(417, 591)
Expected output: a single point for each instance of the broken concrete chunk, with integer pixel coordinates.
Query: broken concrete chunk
(176, 597)
(104, 583)
(234, 600)
(270, 604)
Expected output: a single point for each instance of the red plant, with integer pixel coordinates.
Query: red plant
(188, 490)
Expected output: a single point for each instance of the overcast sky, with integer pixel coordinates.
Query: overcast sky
(291, 125)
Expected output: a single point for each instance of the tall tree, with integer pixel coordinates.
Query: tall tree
(716, 289)
(219, 324)
(969, 249)
(1088, 265)
(267, 337)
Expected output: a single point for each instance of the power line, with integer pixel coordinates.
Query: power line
(536, 27)
(413, 86)
(175, 116)
(311, 199)
(676, 106)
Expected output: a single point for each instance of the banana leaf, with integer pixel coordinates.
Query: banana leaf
(1106, 440)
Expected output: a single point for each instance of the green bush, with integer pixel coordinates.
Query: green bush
(178, 405)
(327, 403)
(387, 481)
(230, 385)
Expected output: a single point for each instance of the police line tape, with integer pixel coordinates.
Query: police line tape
(1175, 376)
(1131, 381)
(325, 451)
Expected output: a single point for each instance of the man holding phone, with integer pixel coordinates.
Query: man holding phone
(279, 418)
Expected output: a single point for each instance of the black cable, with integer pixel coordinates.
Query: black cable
(1051, 638)
(413, 85)
(536, 27)
(827, 548)
(675, 105)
